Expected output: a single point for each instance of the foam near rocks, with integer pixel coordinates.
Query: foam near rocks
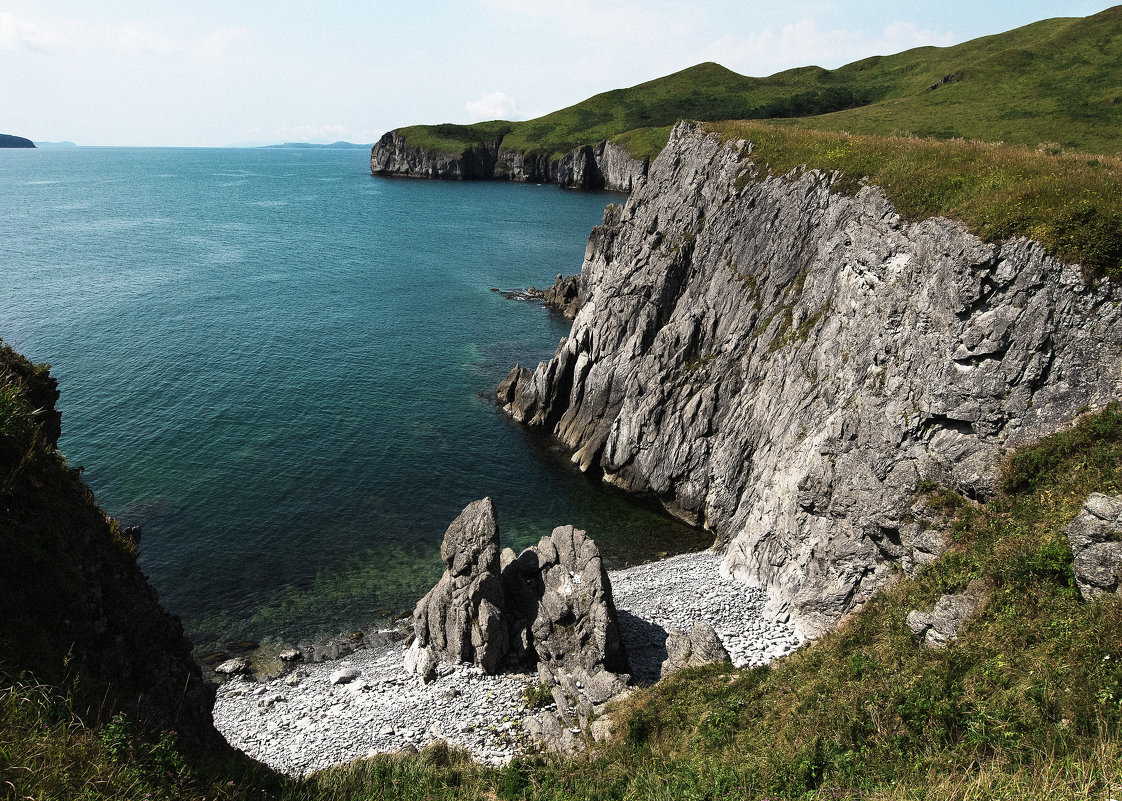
(316, 723)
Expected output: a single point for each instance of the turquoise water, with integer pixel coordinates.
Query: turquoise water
(283, 369)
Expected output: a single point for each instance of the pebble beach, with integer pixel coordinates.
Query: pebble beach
(328, 713)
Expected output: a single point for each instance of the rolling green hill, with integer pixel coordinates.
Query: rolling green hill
(1058, 81)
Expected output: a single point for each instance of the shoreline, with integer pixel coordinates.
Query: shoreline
(320, 720)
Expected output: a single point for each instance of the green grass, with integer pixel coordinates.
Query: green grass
(1070, 202)
(1057, 81)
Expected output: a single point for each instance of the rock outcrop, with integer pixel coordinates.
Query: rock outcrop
(548, 608)
(941, 626)
(701, 646)
(602, 166)
(1096, 543)
(781, 362)
(461, 618)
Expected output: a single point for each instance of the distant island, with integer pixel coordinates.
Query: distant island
(55, 144)
(336, 145)
(7, 140)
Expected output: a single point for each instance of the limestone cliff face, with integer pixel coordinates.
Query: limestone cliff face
(781, 364)
(392, 155)
(604, 166)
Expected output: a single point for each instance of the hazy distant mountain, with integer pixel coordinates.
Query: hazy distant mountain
(55, 144)
(337, 145)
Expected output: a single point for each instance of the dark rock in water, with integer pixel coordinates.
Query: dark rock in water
(701, 646)
(461, 618)
(1096, 542)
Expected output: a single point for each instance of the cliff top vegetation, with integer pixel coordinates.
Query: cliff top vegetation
(1069, 202)
(1057, 81)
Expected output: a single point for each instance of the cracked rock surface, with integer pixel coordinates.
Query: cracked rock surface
(781, 362)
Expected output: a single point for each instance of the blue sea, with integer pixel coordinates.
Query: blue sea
(283, 370)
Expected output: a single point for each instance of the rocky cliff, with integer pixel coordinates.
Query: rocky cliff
(75, 609)
(603, 166)
(782, 363)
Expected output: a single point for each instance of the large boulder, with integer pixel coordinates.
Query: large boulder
(461, 618)
(561, 607)
(701, 646)
(1096, 543)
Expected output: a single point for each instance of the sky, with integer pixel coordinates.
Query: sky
(213, 74)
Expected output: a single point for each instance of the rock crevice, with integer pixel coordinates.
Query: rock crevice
(781, 363)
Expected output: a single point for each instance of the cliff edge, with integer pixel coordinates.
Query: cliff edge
(602, 166)
(784, 364)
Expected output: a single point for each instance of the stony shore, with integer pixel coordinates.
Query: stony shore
(317, 716)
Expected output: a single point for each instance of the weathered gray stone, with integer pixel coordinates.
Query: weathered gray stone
(942, 624)
(232, 667)
(701, 646)
(461, 618)
(1096, 543)
(560, 605)
(344, 675)
(781, 362)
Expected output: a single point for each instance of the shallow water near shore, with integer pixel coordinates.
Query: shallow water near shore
(283, 369)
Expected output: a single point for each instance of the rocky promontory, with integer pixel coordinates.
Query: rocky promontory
(601, 166)
(782, 360)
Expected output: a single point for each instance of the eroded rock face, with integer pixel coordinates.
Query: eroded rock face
(560, 603)
(602, 166)
(461, 618)
(550, 607)
(781, 363)
(1096, 543)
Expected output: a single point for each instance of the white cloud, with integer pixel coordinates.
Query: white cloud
(802, 43)
(18, 32)
(493, 106)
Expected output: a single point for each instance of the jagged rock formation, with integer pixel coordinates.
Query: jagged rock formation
(781, 363)
(550, 607)
(75, 609)
(461, 618)
(565, 296)
(560, 602)
(1096, 543)
(701, 646)
(602, 166)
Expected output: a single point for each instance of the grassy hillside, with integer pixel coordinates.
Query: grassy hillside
(1057, 81)
(1027, 704)
(1069, 202)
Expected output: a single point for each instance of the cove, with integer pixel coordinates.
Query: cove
(283, 369)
